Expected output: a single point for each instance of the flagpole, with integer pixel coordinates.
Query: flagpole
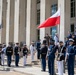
(60, 20)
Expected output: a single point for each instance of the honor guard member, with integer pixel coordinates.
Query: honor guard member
(38, 46)
(32, 50)
(60, 57)
(17, 53)
(51, 57)
(43, 53)
(9, 53)
(70, 57)
(3, 54)
(25, 53)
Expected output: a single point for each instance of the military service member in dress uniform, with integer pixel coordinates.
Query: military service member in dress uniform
(17, 53)
(43, 53)
(51, 57)
(70, 56)
(9, 53)
(25, 53)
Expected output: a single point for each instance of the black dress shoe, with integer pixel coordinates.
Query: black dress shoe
(43, 70)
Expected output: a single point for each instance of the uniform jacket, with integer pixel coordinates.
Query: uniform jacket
(32, 49)
(51, 51)
(25, 51)
(43, 51)
(9, 50)
(71, 52)
(17, 50)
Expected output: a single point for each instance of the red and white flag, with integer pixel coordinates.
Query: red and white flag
(51, 21)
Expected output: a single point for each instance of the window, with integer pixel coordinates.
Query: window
(38, 34)
(53, 30)
(38, 12)
(38, 16)
(53, 9)
(72, 8)
(72, 28)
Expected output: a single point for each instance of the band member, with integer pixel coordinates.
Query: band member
(25, 53)
(60, 57)
(17, 53)
(43, 53)
(70, 57)
(3, 54)
(51, 57)
(32, 50)
(9, 53)
(38, 46)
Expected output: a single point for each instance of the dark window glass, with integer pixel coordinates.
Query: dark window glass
(53, 30)
(72, 8)
(72, 28)
(38, 17)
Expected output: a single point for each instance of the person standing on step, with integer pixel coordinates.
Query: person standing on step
(61, 57)
(17, 53)
(3, 54)
(51, 57)
(43, 52)
(9, 53)
(25, 53)
(70, 57)
(38, 46)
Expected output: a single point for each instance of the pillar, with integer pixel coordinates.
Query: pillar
(16, 21)
(4, 13)
(7, 22)
(22, 18)
(1, 3)
(61, 5)
(31, 22)
(11, 29)
(42, 18)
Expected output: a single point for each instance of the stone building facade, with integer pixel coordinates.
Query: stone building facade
(19, 19)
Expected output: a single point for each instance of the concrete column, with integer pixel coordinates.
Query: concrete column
(1, 3)
(16, 21)
(67, 17)
(61, 5)
(11, 30)
(28, 22)
(22, 18)
(4, 13)
(31, 22)
(7, 22)
(42, 18)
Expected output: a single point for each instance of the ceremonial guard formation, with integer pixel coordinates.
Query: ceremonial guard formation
(51, 52)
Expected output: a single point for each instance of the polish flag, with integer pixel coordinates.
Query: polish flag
(54, 20)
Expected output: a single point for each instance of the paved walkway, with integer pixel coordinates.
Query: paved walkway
(27, 70)
(32, 71)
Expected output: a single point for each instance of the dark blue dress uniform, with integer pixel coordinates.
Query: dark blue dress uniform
(9, 53)
(38, 46)
(70, 57)
(51, 57)
(16, 52)
(43, 52)
(25, 51)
